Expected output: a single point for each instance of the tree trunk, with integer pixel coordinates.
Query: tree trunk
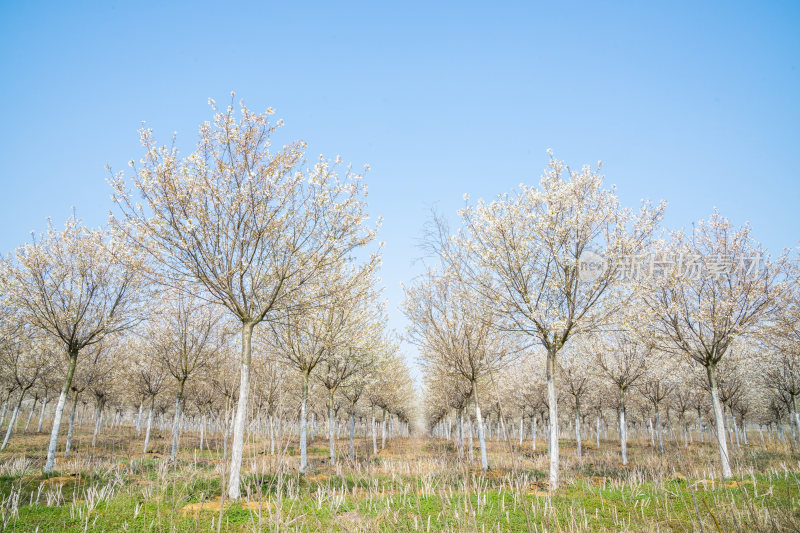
(719, 421)
(533, 433)
(71, 429)
(11, 425)
(30, 413)
(578, 429)
(552, 399)
(374, 434)
(149, 423)
(352, 436)
(139, 421)
(481, 436)
(597, 434)
(98, 417)
(304, 425)
(176, 423)
(62, 399)
(623, 428)
(659, 431)
(241, 414)
(41, 415)
(331, 429)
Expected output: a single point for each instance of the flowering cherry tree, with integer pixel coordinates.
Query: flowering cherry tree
(77, 285)
(715, 286)
(245, 225)
(524, 252)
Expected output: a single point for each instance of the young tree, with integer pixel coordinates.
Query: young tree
(525, 252)
(79, 286)
(186, 336)
(715, 286)
(249, 226)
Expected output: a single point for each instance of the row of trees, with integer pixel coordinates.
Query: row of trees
(232, 236)
(564, 275)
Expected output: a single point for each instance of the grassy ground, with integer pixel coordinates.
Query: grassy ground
(413, 485)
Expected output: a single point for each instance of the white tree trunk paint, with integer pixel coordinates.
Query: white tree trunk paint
(149, 424)
(552, 399)
(720, 422)
(10, 426)
(139, 422)
(352, 436)
(304, 426)
(71, 429)
(578, 431)
(481, 436)
(62, 399)
(41, 415)
(234, 490)
(30, 413)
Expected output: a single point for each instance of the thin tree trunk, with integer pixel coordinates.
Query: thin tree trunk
(30, 413)
(41, 415)
(623, 428)
(304, 426)
(176, 423)
(149, 423)
(98, 417)
(62, 399)
(139, 421)
(11, 425)
(578, 429)
(331, 429)
(552, 399)
(71, 429)
(374, 434)
(720, 421)
(234, 490)
(481, 436)
(352, 436)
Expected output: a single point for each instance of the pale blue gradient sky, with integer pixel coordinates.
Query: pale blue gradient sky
(696, 105)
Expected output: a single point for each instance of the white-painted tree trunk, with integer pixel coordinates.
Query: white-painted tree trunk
(481, 436)
(149, 424)
(234, 490)
(331, 430)
(552, 399)
(374, 436)
(30, 413)
(597, 433)
(71, 429)
(14, 414)
(139, 421)
(41, 415)
(62, 399)
(719, 420)
(352, 436)
(578, 431)
(98, 418)
(533, 433)
(304, 426)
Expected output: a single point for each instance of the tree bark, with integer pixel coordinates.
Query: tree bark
(552, 399)
(71, 429)
(304, 425)
(149, 423)
(481, 436)
(234, 491)
(41, 415)
(722, 444)
(62, 399)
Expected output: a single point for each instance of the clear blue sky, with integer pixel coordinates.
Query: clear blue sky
(696, 105)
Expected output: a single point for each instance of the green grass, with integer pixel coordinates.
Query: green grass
(414, 486)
